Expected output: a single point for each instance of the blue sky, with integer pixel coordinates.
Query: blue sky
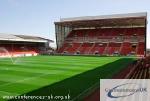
(36, 17)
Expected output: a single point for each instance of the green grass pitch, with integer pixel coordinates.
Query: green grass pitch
(57, 75)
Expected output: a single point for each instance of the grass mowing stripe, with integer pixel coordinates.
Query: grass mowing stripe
(30, 78)
(7, 93)
(22, 80)
(61, 67)
(31, 70)
(55, 67)
(79, 83)
(19, 73)
(63, 62)
(11, 78)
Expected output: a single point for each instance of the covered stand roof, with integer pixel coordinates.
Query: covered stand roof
(116, 20)
(24, 38)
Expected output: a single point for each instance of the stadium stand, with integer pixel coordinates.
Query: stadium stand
(140, 69)
(98, 48)
(102, 35)
(22, 45)
(124, 47)
(114, 48)
(141, 48)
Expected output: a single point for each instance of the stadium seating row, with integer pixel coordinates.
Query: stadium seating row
(19, 47)
(125, 48)
(106, 32)
(17, 50)
(140, 69)
(18, 54)
(108, 41)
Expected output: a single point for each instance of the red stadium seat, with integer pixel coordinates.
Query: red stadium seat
(111, 36)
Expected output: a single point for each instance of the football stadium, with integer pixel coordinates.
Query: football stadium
(89, 48)
(122, 34)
